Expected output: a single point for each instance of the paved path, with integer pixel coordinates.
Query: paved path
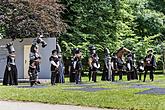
(27, 80)
(8, 105)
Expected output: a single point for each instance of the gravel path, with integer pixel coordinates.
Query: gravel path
(9, 105)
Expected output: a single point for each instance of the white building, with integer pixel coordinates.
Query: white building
(22, 56)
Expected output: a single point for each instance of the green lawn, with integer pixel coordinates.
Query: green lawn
(119, 96)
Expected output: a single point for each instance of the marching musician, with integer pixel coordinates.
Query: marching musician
(107, 71)
(149, 64)
(35, 59)
(120, 60)
(77, 65)
(114, 66)
(54, 60)
(61, 69)
(93, 62)
(140, 68)
(10, 75)
(34, 64)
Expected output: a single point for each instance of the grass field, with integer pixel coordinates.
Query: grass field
(120, 95)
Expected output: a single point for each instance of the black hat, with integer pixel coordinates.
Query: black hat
(53, 51)
(129, 55)
(10, 47)
(94, 55)
(33, 47)
(149, 50)
(92, 47)
(76, 50)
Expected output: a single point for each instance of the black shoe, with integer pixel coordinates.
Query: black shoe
(143, 80)
(31, 84)
(38, 82)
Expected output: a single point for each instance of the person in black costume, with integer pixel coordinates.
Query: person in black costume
(131, 67)
(140, 68)
(61, 69)
(35, 59)
(120, 61)
(54, 60)
(75, 66)
(34, 65)
(60, 77)
(92, 50)
(10, 75)
(149, 64)
(71, 70)
(114, 66)
(107, 71)
(94, 64)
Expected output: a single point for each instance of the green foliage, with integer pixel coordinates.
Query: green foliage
(91, 23)
(135, 24)
(26, 18)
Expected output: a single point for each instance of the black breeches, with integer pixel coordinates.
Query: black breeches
(104, 77)
(120, 74)
(94, 74)
(54, 77)
(151, 74)
(33, 75)
(77, 76)
(113, 75)
(72, 76)
(129, 75)
(140, 75)
(107, 75)
(89, 74)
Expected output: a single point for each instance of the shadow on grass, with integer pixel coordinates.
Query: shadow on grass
(35, 86)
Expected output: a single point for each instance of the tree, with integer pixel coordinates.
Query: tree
(135, 24)
(25, 18)
(91, 23)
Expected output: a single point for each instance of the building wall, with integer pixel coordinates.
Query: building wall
(19, 47)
